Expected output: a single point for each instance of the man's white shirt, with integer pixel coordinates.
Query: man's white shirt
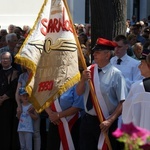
(129, 69)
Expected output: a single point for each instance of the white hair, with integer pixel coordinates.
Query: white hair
(9, 37)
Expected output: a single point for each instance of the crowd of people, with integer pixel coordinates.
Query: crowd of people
(120, 67)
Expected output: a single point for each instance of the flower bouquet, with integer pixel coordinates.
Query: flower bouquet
(133, 137)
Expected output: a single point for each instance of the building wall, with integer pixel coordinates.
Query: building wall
(19, 12)
(148, 7)
(25, 12)
(144, 10)
(77, 9)
(129, 9)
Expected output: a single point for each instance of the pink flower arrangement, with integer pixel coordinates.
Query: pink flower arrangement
(133, 137)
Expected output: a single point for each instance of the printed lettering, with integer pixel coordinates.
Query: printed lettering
(44, 28)
(56, 24)
(45, 86)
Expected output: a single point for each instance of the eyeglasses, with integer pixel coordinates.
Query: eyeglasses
(5, 59)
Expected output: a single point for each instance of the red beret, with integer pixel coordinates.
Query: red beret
(104, 44)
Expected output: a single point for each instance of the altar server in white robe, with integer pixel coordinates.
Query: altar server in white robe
(136, 108)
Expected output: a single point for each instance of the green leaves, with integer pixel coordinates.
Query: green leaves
(133, 137)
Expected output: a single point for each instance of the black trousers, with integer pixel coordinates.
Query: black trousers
(53, 138)
(90, 132)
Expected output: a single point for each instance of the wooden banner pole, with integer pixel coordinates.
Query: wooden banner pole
(95, 102)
